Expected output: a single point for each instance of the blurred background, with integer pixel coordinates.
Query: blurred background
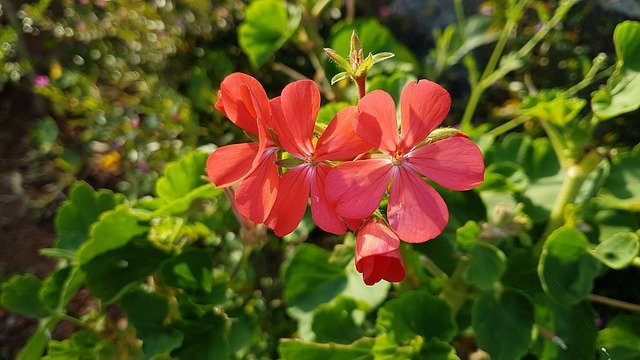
(109, 91)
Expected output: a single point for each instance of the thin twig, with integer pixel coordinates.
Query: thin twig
(614, 303)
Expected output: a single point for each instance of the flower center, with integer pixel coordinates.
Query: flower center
(397, 159)
(312, 159)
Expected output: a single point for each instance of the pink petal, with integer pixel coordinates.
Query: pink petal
(231, 163)
(377, 255)
(292, 200)
(377, 122)
(284, 137)
(455, 163)
(322, 210)
(358, 186)
(339, 140)
(416, 212)
(423, 106)
(243, 100)
(300, 102)
(256, 194)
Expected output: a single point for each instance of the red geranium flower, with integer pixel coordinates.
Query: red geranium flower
(294, 116)
(377, 254)
(243, 100)
(416, 212)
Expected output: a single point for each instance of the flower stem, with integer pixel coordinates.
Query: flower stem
(432, 267)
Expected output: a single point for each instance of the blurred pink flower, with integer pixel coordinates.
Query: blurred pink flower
(41, 81)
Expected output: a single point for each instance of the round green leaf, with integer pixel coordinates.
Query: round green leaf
(417, 313)
(618, 251)
(310, 279)
(621, 338)
(486, 266)
(502, 323)
(20, 295)
(266, 27)
(566, 268)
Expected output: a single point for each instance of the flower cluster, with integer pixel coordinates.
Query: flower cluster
(347, 168)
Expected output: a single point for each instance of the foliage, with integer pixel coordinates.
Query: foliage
(527, 267)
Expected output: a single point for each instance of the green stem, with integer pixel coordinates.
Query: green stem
(575, 176)
(460, 18)
(71, 319)
(508, 126)
(433, 268)
(558, 144)
(456, 290)
(598, 61)
(478, 90)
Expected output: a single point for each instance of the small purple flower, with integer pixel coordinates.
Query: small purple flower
(41, 81)
(143, 166)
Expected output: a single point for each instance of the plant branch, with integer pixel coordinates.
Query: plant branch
(614, 303)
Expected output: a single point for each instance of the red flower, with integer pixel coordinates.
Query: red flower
(377, 254)
(416, 212)
(243, 100)
(294, 115)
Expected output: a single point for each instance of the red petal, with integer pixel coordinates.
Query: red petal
(423, 106)
(291, 203)
(243, 100)
(377, 122)
(377, 254)
(257, 192)
(299, 102)
(455, 163)
(340, 141)
(416, 212)
(231, 163)
(322, 211)
(358, 186)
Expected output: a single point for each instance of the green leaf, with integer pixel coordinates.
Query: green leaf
(328, 111)
(206, 339)
(622, 93)
(486, 266)
(392, 84)
(621, 190)
(59, 287)
(83, 344)
(621, 338)
(502, 323)
(382, 57)
(552, 106)
(145, 310)
(114, 230)
(182, 176)
(79, 211)
(435, 349)
(267, 26)
(161, 342)
(290, 349)
(566, 268)
(336, 322)
(618, 251)
(416, 313)
(375, 38)
(191, 270)
(310, 279)
(20, 295)
(565, 332)
(110, 273)
(467, 235)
